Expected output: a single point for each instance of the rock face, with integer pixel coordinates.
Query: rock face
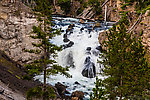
(143, 25)
(15, 32)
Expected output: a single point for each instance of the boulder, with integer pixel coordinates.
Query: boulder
(88, 48)
(65, 36)
(81, 29)
(81, 21)
(60, 88)
(69, 29)
(71, 26)
(95, 52)
(89, 70)
(97, 24)
(66, 40)
(70, 44)
(74, 98)
(77, 83)
(77, 95)
(99, 48)
(69, 60)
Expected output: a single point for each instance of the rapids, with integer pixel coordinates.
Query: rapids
(80, 51)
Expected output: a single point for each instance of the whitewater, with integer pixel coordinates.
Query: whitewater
(80, 47)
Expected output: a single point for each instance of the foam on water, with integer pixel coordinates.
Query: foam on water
(77, 54)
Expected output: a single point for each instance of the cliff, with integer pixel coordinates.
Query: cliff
(12, 87)
(16, 21)
(140, 23)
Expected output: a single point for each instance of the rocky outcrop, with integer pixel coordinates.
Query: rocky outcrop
(15, 28)
(12, 87)
(143, 25)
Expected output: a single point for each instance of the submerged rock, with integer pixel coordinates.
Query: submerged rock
(77, 83)
(95, 52)
(70, 28)
(65, 36)
(81, 29)
(99, 48)
(70, 44)
(66, 40)
(88, 48)
(69, 60)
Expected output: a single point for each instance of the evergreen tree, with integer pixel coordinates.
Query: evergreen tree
(65, 5)
(124, 64)
(98, 91)
(44, 32)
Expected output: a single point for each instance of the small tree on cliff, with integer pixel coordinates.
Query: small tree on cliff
(124, 64)
(44, 32)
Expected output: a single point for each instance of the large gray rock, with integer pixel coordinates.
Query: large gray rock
(89, 69)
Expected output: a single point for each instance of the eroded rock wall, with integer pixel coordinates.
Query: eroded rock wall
(144, 25)
(15, 28)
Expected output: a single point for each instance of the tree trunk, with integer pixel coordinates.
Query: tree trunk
(54, 3)
(44, 85)
(45, 66)
(121, 88)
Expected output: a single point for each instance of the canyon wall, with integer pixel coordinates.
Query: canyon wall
(16, 21)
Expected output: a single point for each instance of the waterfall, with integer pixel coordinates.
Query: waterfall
(105, 19)
(80, 52)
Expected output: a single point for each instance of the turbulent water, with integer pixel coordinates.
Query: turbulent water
(80, 51)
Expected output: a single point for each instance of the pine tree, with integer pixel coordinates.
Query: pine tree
(98, 91)
(44, 32)
(124, 64)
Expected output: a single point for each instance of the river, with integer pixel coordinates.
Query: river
(81, 51)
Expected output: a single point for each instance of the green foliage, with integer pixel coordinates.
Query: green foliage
(140, 6)
(37, 51)
(47, 64)
(79, 11)
(124, 63)
(38, 92)
(27, 77)
(65, 5)
(147, 8)
(85, 4)
(44, 32)
(80, 1)
(96, 6)
(98, 91)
